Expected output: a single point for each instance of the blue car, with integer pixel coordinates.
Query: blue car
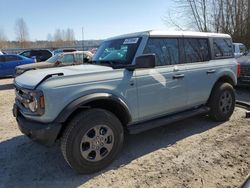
(8, 64)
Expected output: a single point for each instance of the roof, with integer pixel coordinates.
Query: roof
(165, 33)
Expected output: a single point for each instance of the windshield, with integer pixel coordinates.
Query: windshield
(55, 58)
(117, 52)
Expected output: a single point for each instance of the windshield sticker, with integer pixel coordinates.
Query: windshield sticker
(131, 41)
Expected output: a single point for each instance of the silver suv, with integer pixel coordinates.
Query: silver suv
(135, 82)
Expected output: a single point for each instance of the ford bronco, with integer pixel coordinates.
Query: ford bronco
(135, 82)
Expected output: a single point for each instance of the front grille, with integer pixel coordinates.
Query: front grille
(245, 71)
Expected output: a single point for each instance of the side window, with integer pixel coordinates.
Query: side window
(79, 58)
(10, 58)
(45, 54)
(26, 54)
(196, 50)
(242, 49)
(165, 50)
(223, 48)
(68, 58)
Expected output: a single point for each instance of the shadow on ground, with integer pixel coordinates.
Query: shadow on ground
(27, 164)
(243, 93)
(6, 87)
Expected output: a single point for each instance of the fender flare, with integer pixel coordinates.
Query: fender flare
(82, 101)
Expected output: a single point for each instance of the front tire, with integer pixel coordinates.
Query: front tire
(222, 102)
(92, 140)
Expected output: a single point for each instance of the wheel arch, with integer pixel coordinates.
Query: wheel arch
(224, 79)
(104, 101)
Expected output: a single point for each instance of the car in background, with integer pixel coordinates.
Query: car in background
(244, 62)
(239, 49)
(59, 60)
(58, 51)
(8, 64)
(1, 53)
(39, 55)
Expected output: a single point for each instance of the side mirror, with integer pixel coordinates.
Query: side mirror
(145, 61)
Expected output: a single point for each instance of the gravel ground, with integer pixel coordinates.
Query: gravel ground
(192, 153)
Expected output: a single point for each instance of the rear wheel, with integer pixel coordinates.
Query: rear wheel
(92, 140)
(222, 102)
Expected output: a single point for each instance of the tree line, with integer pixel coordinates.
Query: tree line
(60, 38)
(221, 16)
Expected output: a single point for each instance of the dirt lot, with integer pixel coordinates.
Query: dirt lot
(192, 153)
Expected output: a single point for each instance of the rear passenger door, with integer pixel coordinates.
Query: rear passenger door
(162, 90)
(200, 72)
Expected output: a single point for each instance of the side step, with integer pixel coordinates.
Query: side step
(140, 127)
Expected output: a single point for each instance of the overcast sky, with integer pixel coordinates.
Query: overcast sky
(100, 18)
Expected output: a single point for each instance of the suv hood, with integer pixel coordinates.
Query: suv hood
(30, 79)
(40, 65)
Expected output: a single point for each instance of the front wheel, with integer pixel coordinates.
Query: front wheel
(92, 140)
(222, 102)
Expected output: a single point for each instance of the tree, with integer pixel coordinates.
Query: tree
(224, 16)
(64, 38)
(3, 39)
(22, 33)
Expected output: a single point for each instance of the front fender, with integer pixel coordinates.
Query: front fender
(82, 101)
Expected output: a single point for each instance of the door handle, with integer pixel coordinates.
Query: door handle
(211, 71)
(178, 76)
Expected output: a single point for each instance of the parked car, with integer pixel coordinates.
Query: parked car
(39, 55)
(1, 53)
(8, 63)
(58, 51)
(136, 82)
(244, 78)
(59, 60)
(239, 49)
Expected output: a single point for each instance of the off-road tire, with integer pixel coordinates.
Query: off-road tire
(215, 102)
(78, 127)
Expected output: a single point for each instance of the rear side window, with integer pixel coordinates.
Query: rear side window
(46, 54)
(165, 50)
(79, 58)
(223, 48)
(196, 50)
(26, 54)
(68, 59)
(12, 58)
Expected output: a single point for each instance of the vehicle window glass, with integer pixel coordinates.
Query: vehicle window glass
(119, 51)
(36, 53)
(67, 59)
(196, 50)
(79, 58)
(26, 54)
(242, 49)
(12, 58)
(223, 48)
(165, 50)
(46, 53)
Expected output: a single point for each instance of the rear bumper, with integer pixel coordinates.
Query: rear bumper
(44, 133)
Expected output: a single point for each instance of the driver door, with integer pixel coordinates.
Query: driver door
(162, 90)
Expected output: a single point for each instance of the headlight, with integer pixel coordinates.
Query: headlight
(36, 102)
(19, 71)
(31, 100)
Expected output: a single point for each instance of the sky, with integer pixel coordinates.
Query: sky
(99, 19)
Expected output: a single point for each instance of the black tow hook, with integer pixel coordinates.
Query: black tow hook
(244, 105)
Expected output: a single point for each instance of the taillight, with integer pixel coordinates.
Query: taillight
(238, 70)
